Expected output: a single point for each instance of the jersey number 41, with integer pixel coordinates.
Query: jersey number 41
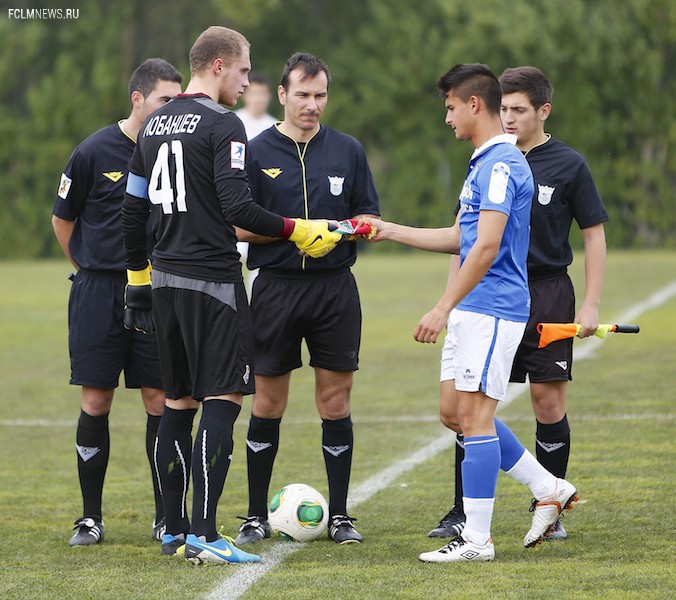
(160, 190)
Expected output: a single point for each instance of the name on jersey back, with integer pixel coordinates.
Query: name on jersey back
(171, 124)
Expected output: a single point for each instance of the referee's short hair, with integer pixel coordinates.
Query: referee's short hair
(145, 77)
(309, 64)
(474, 79)
(216, 42)
(529, 80)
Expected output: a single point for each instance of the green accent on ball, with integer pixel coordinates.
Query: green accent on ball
(310, 513)
(283, 536)
(276, 500)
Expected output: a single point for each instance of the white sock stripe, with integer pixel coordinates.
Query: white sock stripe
(184, 471)
(477, 442)
(157, 469)
(205, 473)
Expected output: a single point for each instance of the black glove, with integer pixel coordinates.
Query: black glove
(138, 302)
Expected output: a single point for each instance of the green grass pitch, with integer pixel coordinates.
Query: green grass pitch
(621, 409)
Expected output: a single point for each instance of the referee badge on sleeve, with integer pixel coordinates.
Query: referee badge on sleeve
(237, 151)
(64, 186)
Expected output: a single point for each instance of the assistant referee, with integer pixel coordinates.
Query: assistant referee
(87, 224)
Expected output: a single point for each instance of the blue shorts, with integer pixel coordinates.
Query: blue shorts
(100, 347)
(323, 309)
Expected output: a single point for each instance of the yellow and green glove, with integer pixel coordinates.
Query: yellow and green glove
(314, 237)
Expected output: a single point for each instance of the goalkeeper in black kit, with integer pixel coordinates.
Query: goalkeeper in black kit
(188, 176)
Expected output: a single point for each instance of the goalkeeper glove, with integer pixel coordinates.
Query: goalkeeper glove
(138, 301)
(314, 237)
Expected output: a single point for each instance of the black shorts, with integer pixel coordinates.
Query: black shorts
(204, 336)
(322, 308)
(552, 301)
(100, 347)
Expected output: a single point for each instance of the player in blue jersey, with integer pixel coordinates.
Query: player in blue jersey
(86, 221)
(485, 307)
(303, 168)
(188, 176)
(564, 190)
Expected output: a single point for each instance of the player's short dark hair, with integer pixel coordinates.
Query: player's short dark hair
(310, 65)
(216, 42)
(259, 77)
(475, 79)
(529, 80)
(145, 77)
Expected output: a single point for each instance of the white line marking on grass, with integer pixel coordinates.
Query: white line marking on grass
(248, 575)
(407, 419)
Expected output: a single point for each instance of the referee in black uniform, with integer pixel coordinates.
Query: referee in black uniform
(86, 221)
(564, 192)
(300, 167)
(188, 174)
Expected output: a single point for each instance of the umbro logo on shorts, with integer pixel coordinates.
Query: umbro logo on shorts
(562, 363)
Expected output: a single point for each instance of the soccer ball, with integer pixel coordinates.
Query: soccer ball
(298, 512)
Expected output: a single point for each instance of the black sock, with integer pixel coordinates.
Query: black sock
(152, 424)
(93, 449)
(337, 441)
(459, 457)
(211, 458)
(262, 442)
(172, 457)
(553, 446)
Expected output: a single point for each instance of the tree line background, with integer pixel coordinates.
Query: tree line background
(612, 64)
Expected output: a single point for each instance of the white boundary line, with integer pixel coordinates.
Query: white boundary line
(405, 419)
(247, 575)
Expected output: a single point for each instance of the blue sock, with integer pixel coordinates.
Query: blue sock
(511, 449)
(481, 466)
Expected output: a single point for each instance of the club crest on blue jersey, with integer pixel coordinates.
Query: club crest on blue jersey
(545, 194)
(336, 185)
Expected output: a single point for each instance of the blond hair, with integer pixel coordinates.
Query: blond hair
(216, 42)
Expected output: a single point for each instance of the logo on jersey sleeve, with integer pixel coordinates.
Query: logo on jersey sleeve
(237, 151)
(545, 194)
(114, 176)
(273, 173)
(497, 188)
(64, 186)
(336, 185)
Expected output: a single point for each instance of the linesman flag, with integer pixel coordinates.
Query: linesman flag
(551, 332)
